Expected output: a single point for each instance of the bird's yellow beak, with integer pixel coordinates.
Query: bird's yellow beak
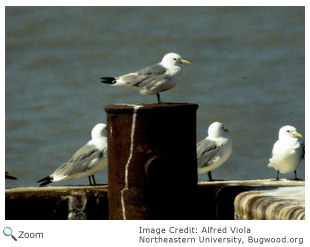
(297, 135)
(183, 61)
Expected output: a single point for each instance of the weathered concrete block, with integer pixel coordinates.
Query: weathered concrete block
(286, 203)
(217, 200)
(63, 202)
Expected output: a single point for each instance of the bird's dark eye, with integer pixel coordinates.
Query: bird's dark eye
(288, 131)
(174, 59)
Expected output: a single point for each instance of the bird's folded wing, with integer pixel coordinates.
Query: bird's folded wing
(80, 162)
(146, 77)
(207, 151)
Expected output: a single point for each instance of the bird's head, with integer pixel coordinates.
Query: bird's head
(289, 132)
(172, 59)
(100, 130)
(216, 129)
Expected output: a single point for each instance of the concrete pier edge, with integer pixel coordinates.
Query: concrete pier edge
(219, 200)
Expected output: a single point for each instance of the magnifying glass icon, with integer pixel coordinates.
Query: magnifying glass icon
(7, 231)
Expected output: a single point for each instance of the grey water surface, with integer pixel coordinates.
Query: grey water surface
(248, 71)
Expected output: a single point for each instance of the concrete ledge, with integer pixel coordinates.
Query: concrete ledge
(218, 200)
(287, 203)
(256, 182)
(63, 202)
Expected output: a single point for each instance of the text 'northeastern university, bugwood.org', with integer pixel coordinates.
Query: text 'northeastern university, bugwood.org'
(210, 235)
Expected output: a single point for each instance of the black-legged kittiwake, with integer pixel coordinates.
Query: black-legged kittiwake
(151, 80)
(288, 151)
(85, 162)
(214, 150)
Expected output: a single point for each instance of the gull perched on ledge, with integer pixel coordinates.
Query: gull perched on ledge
(214, 150)
(151, 80)
(287, 152)
(88, 160)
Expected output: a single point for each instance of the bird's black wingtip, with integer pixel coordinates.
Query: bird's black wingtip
(7, 176)
(108, 80)
(45, 181)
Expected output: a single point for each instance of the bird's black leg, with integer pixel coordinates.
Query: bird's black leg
(158, 98)
(295, 172)
(89, 179)
(93, 176)
(277, 175)
(210, 176)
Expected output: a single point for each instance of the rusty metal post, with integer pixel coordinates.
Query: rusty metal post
(152, 161)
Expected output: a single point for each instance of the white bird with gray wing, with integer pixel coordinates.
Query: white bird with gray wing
(85, 162)
(151, 80)
(214, 150)
(287, 152)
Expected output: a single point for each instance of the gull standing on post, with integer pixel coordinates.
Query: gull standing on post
(214, 150)
(151, 80)
(287, 152)
(88, 160)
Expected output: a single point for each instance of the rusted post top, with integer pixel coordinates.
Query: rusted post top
(164, 107)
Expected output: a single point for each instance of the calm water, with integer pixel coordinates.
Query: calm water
(247, 71)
